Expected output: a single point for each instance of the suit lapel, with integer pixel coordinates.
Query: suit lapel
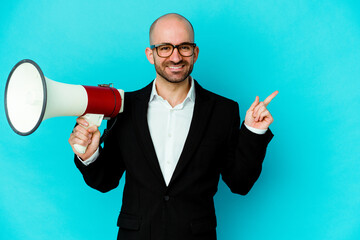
(142, 129)
(202, 111)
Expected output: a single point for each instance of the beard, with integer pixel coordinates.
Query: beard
(175, 77)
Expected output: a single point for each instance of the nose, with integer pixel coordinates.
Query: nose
(175, 56)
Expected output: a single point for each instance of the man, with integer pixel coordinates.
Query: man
(174, 140)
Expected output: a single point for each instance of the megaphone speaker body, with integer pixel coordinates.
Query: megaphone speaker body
(30, 98)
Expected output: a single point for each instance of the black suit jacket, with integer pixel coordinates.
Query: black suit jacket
(216, 145)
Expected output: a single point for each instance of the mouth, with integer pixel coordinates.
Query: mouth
(176, 68)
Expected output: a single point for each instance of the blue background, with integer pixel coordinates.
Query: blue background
(308, 50)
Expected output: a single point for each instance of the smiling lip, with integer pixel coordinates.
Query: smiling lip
(175, 68)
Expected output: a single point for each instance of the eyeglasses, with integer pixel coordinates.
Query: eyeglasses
(165, 50)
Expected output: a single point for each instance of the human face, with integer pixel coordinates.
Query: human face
(175, 68)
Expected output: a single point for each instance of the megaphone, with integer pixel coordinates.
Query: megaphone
(30, 98)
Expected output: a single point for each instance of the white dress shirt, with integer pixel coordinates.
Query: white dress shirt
(169, 127)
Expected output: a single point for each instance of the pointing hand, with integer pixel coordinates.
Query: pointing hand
(258, 116)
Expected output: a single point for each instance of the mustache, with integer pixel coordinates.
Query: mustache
(171, 63)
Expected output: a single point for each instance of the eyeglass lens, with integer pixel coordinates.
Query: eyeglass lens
(186, 50)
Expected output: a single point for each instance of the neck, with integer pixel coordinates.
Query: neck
(174, 93)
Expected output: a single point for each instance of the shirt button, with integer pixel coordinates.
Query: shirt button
(166, 198)
(169, 135)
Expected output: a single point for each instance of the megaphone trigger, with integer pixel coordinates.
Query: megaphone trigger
(93, 120)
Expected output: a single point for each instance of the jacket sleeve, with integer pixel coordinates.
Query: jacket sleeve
(105, 172)
(245, 155)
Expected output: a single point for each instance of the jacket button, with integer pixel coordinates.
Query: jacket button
(166, 198)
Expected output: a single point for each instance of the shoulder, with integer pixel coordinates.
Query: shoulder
(216, 98)
(138, 98)
(142, 95)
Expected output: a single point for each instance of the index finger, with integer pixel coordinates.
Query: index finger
(269, 98)
(81, 121)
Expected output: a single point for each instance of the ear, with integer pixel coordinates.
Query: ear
(196, 53)
(149, 55)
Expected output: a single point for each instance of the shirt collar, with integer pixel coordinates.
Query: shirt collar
(190, 95)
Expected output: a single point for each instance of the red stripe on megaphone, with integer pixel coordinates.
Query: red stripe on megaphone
(103, 100)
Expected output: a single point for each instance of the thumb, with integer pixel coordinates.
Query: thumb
(95, 138)
(92, 129)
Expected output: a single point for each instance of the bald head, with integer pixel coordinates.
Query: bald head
(167, 21)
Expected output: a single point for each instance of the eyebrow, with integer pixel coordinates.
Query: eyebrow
(174, 44)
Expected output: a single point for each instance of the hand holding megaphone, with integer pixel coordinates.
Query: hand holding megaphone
(85, 136)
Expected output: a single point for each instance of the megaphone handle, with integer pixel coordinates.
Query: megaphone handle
(92, 119)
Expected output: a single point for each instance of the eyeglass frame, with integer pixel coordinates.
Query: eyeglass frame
(174, 46)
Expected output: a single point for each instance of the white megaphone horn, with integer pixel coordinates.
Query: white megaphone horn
(30, 98)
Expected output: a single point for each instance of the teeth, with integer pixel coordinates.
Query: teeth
(175, 67)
